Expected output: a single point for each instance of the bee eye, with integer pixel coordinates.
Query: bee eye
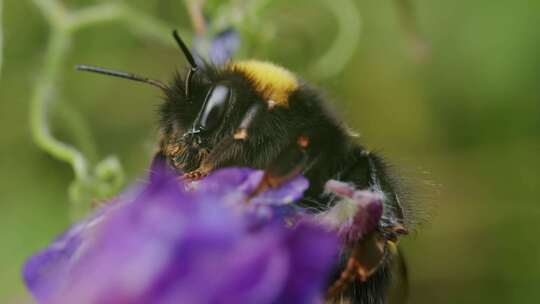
(213, 108)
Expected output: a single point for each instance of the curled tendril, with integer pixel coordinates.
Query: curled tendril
(342, 49)
(104, 179)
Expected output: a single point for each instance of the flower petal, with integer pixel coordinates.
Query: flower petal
(224, 46)
(160, 244)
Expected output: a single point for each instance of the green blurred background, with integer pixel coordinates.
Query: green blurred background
(462, 121)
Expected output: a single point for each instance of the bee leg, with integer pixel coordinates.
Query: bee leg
(392, 229)
(212, 161)
(355, 217)
(364, 260)
(390, 280)
(287, 165)
(375, 255)
(195, 175)
(202, 171)
(346, 277)
(289, 162)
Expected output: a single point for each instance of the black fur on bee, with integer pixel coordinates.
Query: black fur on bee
(256, 114)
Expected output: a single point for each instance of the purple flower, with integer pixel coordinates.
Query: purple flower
(159, 243)
(223, 46)
(218, 49)
(357, 213)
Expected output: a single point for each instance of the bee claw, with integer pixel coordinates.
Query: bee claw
(392, 229)
(194, 175)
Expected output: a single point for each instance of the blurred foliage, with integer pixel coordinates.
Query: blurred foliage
(467, 113)
(93, 182)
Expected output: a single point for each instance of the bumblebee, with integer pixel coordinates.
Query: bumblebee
(257, 114)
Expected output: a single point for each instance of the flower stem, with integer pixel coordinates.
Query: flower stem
(43, 94)
(195, 9)
(342, 49)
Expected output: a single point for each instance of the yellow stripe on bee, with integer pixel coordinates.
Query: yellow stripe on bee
(273, 82)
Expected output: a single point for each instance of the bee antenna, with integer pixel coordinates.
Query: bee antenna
(189, 58)
(184, 49)
(120, 74)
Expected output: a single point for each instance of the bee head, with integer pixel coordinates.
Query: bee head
(194, 116)
(205, 108)
(207, 105)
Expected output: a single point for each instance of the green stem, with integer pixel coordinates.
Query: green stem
(44, 93)
(342, 49)
(77, 127)
(95, 15)
(149, 27)
(103, 180)
(54, 11)
(139, 23)
(106, 177)
(195, 11)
